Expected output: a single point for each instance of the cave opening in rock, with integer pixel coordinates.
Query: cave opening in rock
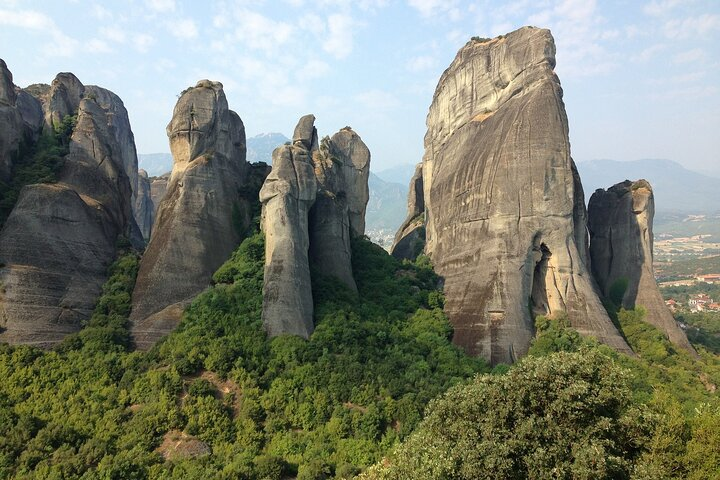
(538, 296)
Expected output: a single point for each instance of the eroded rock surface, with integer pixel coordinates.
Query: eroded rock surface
(11, 122)
(314, 202)
(502, 201)
(410, 238)
(203, 215)
(158, 188)
(60, 238)
(144, 209)
(621, 249)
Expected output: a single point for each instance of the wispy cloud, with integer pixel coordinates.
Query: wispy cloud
(692, 26)
(339, 40)
(420, 63)
(689, 56)
(161, 6)
(183, 28)
(61, 45)
(142, 42)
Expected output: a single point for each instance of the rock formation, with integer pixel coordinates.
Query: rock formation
(503, 205)
(158, 188)
(621, 249)
(203, 215)
(17, 122)
(60, 238)
(410, 238)
(143, 208)
(314, 201)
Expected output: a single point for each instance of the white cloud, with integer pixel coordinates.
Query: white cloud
(183, 28)
(339, 41)
(97, 46)
(114, 34)
(431, 8)
(100, 12)
(658, 8)
(692, 26)
(418, 64)
(161, 6)
(61, 45)
(259, 32)
(649, 52)
(689, 56)
(313, 69)
(377, 99)
(142, 42)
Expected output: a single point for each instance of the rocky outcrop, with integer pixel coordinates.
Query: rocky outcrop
(314, 201)
(11, 122)
(410, 238)
(60, 238)
(503, 215)
(621, 249)
(203, 216)
(143, 207)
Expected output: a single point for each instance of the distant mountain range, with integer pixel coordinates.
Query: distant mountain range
(259, 149)
(677, 189)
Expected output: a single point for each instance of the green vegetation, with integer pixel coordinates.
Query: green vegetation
(703, 329)
(266, 408)
(572, 409)
(691, 266)
(38, 163)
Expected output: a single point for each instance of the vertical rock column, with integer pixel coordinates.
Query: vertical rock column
(194, 232)
(504, 214)
(287, 196)
(314, 202)
(621, 249)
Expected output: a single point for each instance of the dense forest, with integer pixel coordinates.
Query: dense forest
(218, 399)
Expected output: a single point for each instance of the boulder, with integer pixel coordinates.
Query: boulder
(503, 215)
(202, 217)
(621, 249)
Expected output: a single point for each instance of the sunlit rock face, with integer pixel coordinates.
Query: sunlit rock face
(203, 214)
(503, 205)
(621, 248)
(60, 238)
(313, 203)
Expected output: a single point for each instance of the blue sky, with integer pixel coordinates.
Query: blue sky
(641, 78)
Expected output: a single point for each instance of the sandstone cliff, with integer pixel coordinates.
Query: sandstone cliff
(503, 210)
(158, 188)
(314, 201)
(621, 249)
(203, 215)
(60, 238)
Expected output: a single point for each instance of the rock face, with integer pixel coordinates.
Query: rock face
(410, 238)
(314, 201)
(11, 122)
(621, 249)
(143, 208)
(60, 238)
(203, 215)
(503, 204)
(158, 188)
